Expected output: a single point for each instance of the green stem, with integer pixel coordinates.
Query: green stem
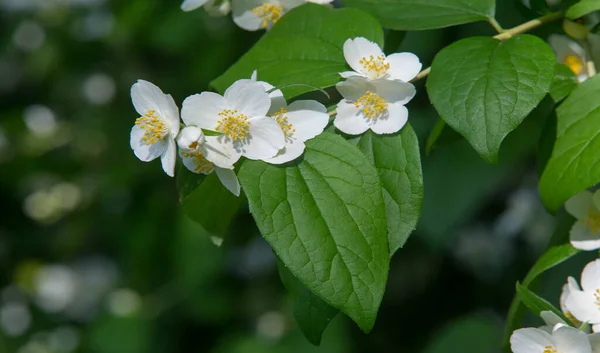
(495, 24)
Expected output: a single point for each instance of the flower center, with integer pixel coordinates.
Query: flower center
(377, 67)
(269, 13)
(282, 120)
(203, 165)
(550, 349)
(592, 221)
(154, 128)
(233, 124)
(574, 63)
(372, 105)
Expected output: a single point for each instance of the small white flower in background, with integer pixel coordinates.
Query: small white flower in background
(212, 7)
(570, 53)
(584, 302)
(376, 105)
(562, 339)
(369, 61)
(585, 233)
(204, 154)
(241, 116)
(154, 132)
(253, 15)
(564, 296)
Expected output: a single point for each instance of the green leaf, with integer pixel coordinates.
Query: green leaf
(573, 165)
(535, 303)
(311, 313)
(305, 46)
(582, 8)
(565, 81)
(398, 161)
(440, 134)
(425, 14)
(553, 257)
(325, 219)
(484, 88)
(205, 200)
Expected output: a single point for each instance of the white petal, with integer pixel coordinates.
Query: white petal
(571, 340)
(145, 153)
(189, 162)
(290, 4)
(582, 237)
(354, 87)
(394, 121)
(243, 15)
(590, 277)
(277, 99)
(395, 91)
(266, 139)
(580, 205)
(563, 46)
(347, 74)
(563, 297)
(290, 152)
(320, 1)
(358, 48)
(248, 97)
(222, 154)
(551, 319)
(596, 328)
(529, 340)
(168, 158)
(308, 118)
(190, 5)
(189, 136)
(349, 120)
(404, 66)
(595, 341)
(229, 180)
(202, 110)
(147, 96)
(583, 306)
(254, 76)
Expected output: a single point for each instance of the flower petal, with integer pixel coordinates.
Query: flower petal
(248, 97)
(354, 87)
(596, 328)
(309, 119)
(144, 152)
(579, 205)
(220, 151)
(229, 180)
(590, 278)
(191, 5)
(349, 120)
(243, 15)
(265, 139)
(595, 341)
(202, 110)
(394, 121)
(277, 99)
(168, 157)
(358, 48)
(290, 152)
(583, 306)
(347, 74)
(582, 237)
(404, 66)
(572, 340)
(528, 340)
(395, 91)
(147, 96)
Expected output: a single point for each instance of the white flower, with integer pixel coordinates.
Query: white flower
(595, 342)
(376, 105)
(154, 132)
(571, 54)
(563, 339)
(564, 296)
(204, 154)
(584, 302)
(213, 7)
(368, 60)
(240, 115)
(585, 233)
(253, 15)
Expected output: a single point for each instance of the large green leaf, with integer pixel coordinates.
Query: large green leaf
(573, 165)
(425, 14)
(484, 88)
(535, 303)
(582, 8)
(325, 219)
(398, 160)
(305, 47)
(312, 313)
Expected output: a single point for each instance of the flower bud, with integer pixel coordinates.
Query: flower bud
(575, 30)
(190, 138)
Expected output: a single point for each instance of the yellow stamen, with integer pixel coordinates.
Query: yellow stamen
(269, 13)
(372, 105)
(597, 296)
(592, 221)
(233, 124)
(575, 63)
(203, 165)
(154, 128)
(573, 319)
(376, 66)
(550, 349)
(282, 120)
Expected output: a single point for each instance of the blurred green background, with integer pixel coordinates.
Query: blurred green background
(96, 256)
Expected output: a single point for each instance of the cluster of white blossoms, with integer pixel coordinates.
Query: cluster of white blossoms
(582, 306)
(251, 15)
(585, 233)
(571, 54)
(376, 92)
(252, 119)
